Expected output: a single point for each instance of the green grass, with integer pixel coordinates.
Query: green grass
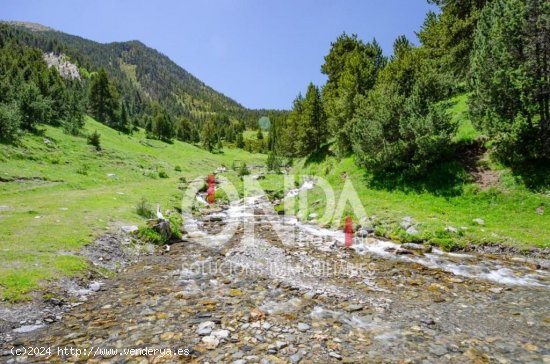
(466, 132)
(509, 213)
(253, 134)
(66, 193)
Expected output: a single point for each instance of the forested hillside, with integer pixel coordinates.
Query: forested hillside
(140, 72)
(394, 113)
(125, 85)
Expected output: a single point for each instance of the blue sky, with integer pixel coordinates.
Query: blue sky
(260, 53)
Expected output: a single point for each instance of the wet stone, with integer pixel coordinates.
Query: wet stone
(354, 307)
(205, 328)
(210, 342)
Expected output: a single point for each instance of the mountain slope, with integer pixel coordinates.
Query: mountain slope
(141, 73)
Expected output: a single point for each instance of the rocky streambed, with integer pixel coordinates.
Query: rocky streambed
(248, 286)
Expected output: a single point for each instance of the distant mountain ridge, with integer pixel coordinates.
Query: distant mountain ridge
(140, 72)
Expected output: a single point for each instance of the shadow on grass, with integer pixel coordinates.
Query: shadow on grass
(444, 179)
(319, 155)
(535, 175)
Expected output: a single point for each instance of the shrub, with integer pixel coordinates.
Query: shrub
(177, 168)
(83, 170)
(243, 170)
(163, 174)
(397, 132)
(10, 120)
(149, 235)
(175, 223)
(94, 139)
(144, 209)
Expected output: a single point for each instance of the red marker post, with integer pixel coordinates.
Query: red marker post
(348, 231)
(211, 192)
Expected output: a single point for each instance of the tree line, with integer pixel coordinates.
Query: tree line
(392, 112)
(31, 93)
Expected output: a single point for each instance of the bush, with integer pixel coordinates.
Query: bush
(243, 170)
(175, 223)
(83, 170)
(396, 133)
(144, 209)
(177, 168)
(149, 235)
(163, 174)
(273, 163)
(94, 139)
(10, 120)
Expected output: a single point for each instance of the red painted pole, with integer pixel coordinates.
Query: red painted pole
(348, 231)
(211, 192)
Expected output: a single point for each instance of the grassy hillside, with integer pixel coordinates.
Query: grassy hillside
(57, 193)
(509, 210)
(452, 196)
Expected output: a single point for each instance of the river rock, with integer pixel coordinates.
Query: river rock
(451, 229)
(95, 286)
(406, 222)
(364, 232)
(413, 246)
(354, 307)
(221, 334)
(205, 328)
(295, 358)
(210, 342)
(411, 230)
(438, 350)
(129, 228)
(303, 327)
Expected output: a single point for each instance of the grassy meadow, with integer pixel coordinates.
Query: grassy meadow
(57, 193)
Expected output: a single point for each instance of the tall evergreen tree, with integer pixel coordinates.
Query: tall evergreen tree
(73, 120)
(312, 126)
(352, 67)
(103, 99)
(208, 135)
(291, 128)
(510, 78)
(239, 140)
(34, 107)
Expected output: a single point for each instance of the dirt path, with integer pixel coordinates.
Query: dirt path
(269, 299)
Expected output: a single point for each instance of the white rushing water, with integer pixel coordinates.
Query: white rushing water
(515, 272)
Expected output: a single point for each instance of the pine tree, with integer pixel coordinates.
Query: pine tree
(162, 127)
(208, 135)
(123, 121)
(10, 120)
(34, 108)
(103, 99)
(311, 132)
(510, 67)
(239, 143)
(73, 120)
(352, 68)
(292, 123)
